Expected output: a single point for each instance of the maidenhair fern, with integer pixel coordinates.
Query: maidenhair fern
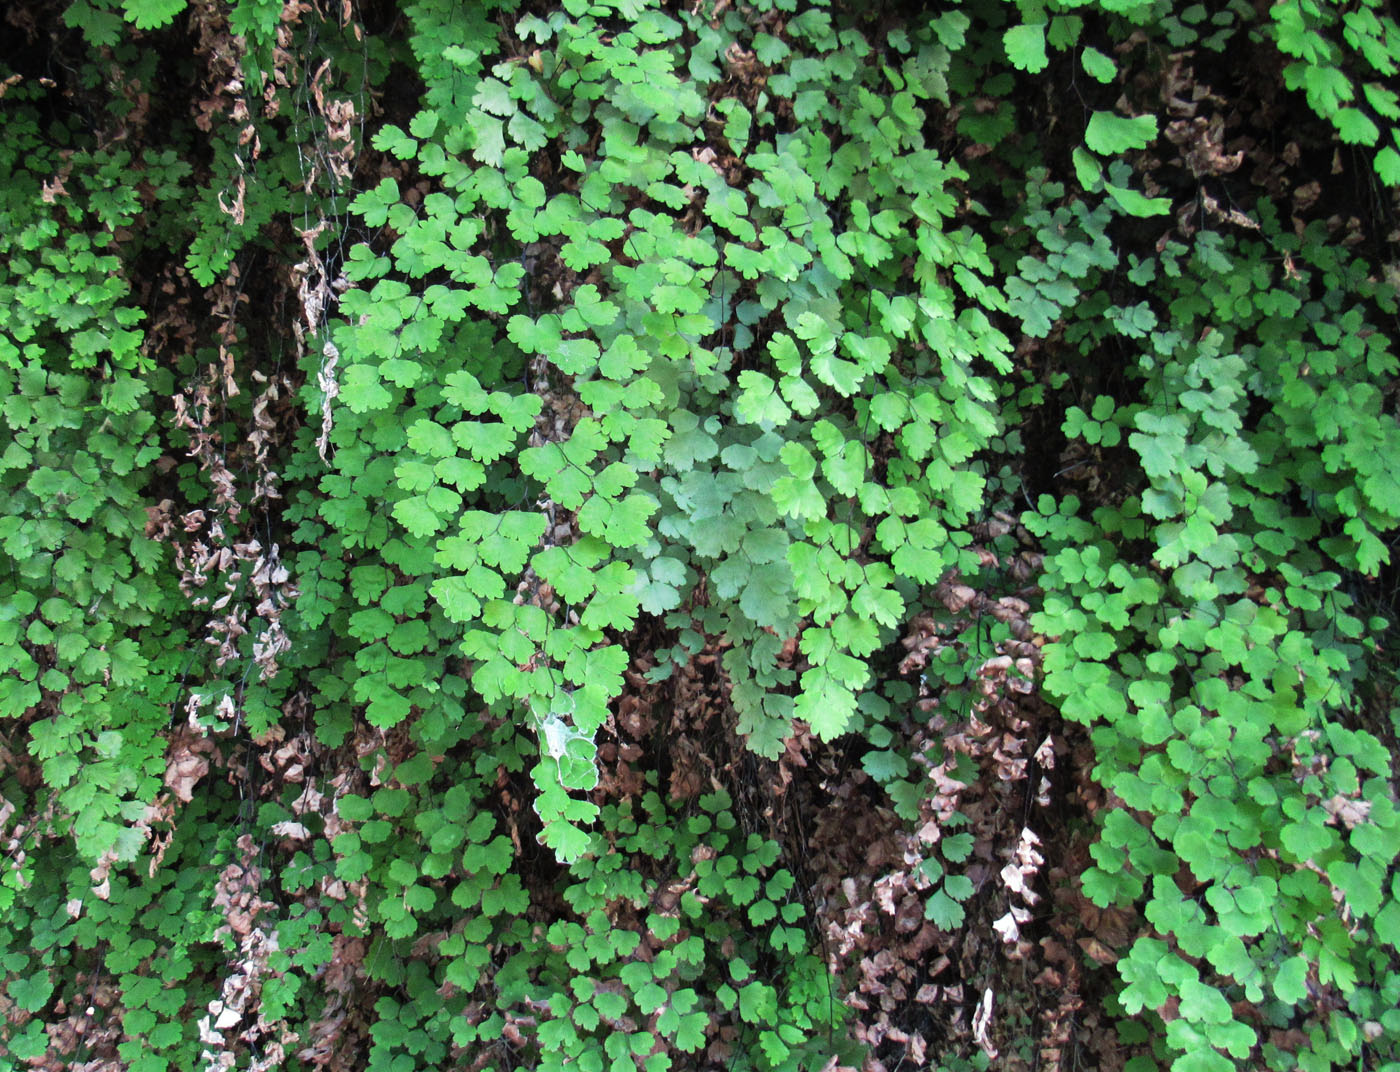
(540, 539)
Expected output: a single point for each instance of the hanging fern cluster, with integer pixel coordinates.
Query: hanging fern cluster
(635, 535)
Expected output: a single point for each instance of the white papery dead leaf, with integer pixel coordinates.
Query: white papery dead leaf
(982, 1022)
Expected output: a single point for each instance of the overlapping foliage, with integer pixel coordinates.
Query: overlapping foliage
(548, 536)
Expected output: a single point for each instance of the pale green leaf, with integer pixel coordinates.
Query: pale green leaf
(1111, 134)
(1025, 47)
(1097, 65)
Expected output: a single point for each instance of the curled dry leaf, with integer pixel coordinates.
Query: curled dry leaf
(187, 761)
(982, 1022)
